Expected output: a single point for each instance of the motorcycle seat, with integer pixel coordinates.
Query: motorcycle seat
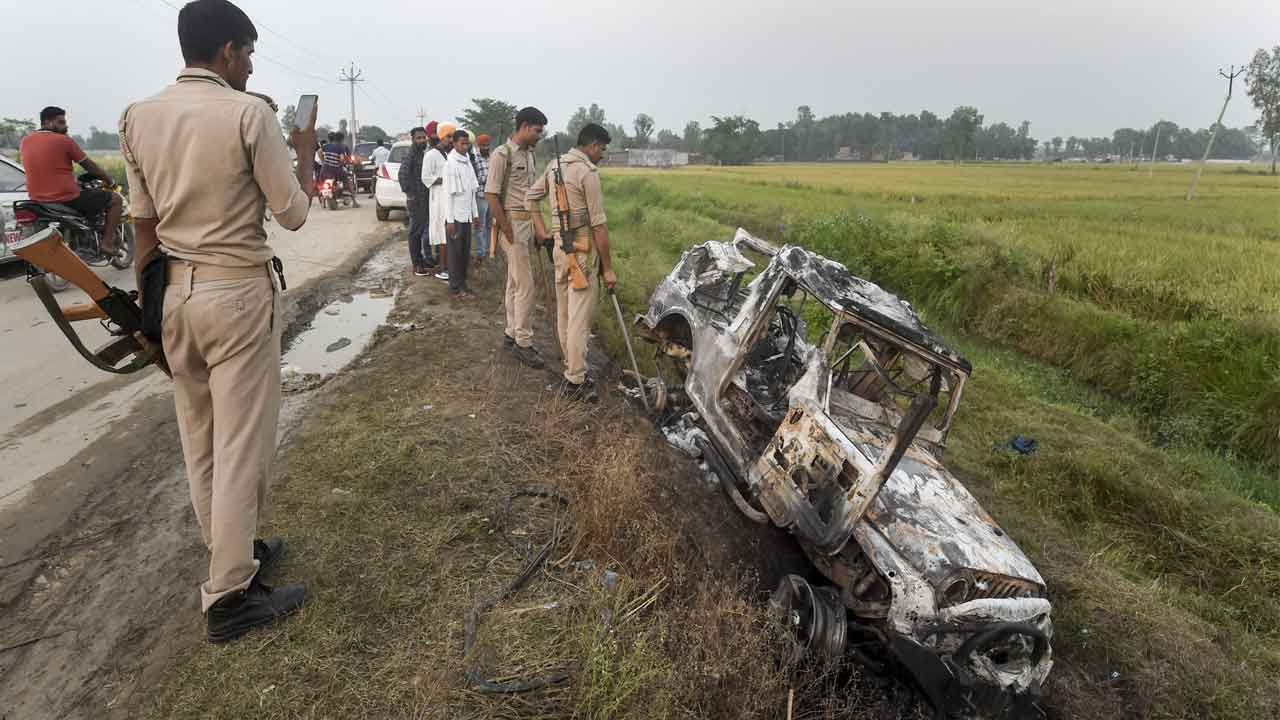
(61, 209)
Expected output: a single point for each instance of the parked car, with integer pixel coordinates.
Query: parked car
(824, 405)
(387, 195)
(13, 187)
(364, 167)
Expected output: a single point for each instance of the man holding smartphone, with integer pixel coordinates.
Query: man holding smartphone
(203, 209)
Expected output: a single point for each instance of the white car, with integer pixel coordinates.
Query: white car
(387, 193)
(13, 187)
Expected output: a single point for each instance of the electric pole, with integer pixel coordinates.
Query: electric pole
(1231, 81)
(422, 116)
(352, 76)
(1152, 167)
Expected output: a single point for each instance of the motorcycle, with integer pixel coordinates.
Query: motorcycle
(83, 235)
(332, 192)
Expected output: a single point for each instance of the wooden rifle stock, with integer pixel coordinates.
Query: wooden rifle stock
(569, 244)
(128, 352)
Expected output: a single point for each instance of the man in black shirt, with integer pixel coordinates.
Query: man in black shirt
(415, 193)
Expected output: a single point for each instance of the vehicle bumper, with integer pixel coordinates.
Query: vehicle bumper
(389, 195)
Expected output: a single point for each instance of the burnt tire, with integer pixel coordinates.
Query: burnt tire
(814, 614)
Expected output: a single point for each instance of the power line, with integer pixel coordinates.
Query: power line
(393, 109)
(294, 44)
(268, 58)
(296, 71)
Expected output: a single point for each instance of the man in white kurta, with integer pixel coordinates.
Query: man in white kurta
(433, 165)
(461, 185)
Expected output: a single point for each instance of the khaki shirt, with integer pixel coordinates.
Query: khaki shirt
(520, 164)
(207, 161)
(582, 185)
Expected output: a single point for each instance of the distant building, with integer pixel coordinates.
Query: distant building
(654, 158)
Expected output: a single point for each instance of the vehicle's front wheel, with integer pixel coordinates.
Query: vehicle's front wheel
(384, 214)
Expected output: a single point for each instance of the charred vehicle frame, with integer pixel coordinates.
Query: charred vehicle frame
(834, 430)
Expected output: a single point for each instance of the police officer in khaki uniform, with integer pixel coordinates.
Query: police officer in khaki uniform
(511, 172)
(204, 160)
(588, 228)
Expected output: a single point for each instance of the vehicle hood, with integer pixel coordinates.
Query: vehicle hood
(937, 526)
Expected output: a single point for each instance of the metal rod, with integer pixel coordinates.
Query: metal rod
(626, 336)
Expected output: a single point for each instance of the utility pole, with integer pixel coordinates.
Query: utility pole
(352, 76)
(1231, 81)
(422, 116)
(1151, 169)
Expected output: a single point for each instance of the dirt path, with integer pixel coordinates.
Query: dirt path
(98, 549)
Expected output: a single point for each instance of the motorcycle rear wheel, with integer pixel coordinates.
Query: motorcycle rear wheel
(125, 259)
(56, 283)
(333, 203)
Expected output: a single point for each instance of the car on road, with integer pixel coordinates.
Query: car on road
(387, 195)
(365, 169)
(13, 187)
(823, 405)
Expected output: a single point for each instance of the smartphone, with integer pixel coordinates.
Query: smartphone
(306, 106)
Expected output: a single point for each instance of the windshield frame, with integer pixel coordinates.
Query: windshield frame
(957, 374)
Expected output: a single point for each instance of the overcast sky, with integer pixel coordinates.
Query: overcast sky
(1071, 67)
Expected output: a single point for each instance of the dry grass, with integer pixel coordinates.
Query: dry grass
(415, 538)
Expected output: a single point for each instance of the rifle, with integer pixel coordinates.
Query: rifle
(569, 245)
(125, 353)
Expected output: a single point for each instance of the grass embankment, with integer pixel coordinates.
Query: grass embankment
(1165, 575)
(391, 500)
(1168, 306)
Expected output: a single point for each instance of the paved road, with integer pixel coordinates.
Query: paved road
(52, 402)
(99, 553)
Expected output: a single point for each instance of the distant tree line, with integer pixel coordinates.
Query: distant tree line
(962, 136)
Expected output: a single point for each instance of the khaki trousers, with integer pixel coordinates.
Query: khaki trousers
(222, 341)
(574, 311)
(519, 297)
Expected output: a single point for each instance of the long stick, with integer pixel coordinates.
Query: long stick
(626, 336)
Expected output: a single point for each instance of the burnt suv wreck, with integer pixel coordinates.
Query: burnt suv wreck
(825, 405)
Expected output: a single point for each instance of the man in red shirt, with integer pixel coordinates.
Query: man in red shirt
(47, 156)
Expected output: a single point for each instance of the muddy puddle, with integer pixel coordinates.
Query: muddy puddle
(342, 329)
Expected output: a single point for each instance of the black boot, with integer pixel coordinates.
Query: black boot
(529, 356)
(258, 605)
(268, 553)
(582, 392)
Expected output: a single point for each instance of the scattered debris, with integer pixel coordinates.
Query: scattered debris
(684, 434)
(341, 491)
(1020, 445)
(331, 311)
(823, 405)
(338, 344)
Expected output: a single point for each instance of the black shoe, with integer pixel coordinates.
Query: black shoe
(529, 356)
(268, 553)
(508, 342)
(258, 605)
(582, 392)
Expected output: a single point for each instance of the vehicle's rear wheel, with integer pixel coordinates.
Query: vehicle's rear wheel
(384, 214)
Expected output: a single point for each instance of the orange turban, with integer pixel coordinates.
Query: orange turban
(445, 130)
(482, 139)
